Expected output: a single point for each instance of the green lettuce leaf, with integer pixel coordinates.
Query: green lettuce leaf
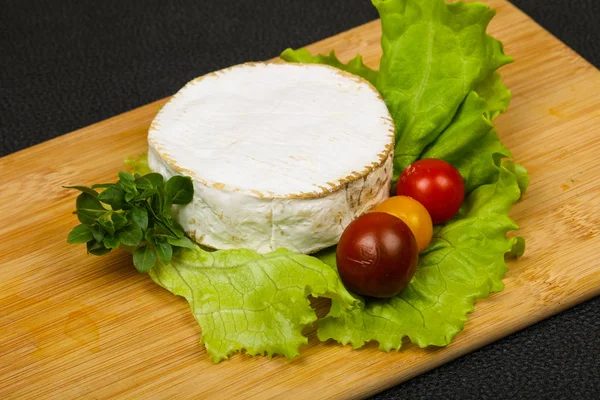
(470, 142)
(139, 164)
(520, 173)
(434, 54)
(354, 66)
(463, 263)
(247, 301)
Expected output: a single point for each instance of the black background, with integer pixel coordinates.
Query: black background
(67, 64)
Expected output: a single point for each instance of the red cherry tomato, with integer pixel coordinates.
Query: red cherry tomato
(435, 184)
(377, 255)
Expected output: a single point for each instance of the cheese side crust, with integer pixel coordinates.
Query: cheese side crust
(281, 155)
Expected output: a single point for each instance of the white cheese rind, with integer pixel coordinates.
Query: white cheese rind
(278, 168)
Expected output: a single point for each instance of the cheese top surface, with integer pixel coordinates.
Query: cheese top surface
(275, 130)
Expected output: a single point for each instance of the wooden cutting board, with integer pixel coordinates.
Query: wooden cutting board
(79, 326)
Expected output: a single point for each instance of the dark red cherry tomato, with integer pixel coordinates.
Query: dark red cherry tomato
(435, 184)
(377, 255)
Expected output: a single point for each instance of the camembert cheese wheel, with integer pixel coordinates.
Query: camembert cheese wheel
(281, 155)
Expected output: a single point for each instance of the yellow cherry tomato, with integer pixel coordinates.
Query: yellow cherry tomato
(413, 213)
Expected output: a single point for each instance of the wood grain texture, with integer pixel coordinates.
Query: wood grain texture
(77, 326)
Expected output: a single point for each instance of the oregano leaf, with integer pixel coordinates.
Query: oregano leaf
(139, 216)
(110, 242)
(88, 208)
(98, 233)
(144, 259)
(179, 190)
(113, 196)
(80, 234)
(84, 189)
(181, 242)
(97, 248)
(131, 235)
(164, 251)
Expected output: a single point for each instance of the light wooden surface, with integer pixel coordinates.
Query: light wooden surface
(78, 326)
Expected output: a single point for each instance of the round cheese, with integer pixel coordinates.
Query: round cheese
(281, 155)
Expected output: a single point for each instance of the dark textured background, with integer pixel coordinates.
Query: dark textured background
(67, 64)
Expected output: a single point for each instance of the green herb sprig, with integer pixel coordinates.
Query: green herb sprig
(133, 214)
